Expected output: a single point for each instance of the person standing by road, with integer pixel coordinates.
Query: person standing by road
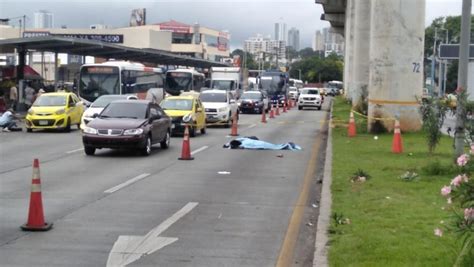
(13, 97)
(29, 95)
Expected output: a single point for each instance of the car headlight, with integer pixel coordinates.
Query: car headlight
(60, 111)
(31, 112)
(222, 109)
(133, 131)
(188, 118)
(90, 130)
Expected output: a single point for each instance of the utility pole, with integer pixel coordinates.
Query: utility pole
(462, 77)
(433, 63)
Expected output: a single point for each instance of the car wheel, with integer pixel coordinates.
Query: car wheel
(192, 131)
(29, 130)
(146, 150)
(89, 150)
(166, 143)
(203, 130)
(67, 129)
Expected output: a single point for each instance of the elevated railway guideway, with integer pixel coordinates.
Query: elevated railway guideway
(383, 58)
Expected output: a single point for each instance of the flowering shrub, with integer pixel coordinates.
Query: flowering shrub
(460, 193)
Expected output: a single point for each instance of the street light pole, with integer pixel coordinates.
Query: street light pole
(459, 134)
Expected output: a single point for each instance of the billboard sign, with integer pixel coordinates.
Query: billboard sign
(138, 17)
(175, 26)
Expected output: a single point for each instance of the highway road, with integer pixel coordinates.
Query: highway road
(224, 208)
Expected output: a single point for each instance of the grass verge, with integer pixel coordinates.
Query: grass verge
(392, 220)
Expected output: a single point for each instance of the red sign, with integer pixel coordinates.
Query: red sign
(175, 26)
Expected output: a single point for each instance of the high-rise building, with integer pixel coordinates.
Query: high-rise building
(294, 38)
(318, 41)
(258, 45)
(280, 32)
(43, 19)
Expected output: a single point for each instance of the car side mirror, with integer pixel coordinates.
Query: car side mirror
(199, 109)
(72, 105)
(95, 115)
(232, 101)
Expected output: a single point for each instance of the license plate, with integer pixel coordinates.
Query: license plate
(43, 122)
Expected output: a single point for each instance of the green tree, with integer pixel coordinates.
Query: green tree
(316, 69)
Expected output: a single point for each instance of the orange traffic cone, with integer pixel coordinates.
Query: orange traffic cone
(277, 109)
(397, 145)
(351, 131)
(289, 104)
(272, 115)
(35, 215)
(264, 115)
(284, 106)
(233, 131)
(186, 149)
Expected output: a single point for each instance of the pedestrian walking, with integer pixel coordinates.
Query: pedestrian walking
(13, 97)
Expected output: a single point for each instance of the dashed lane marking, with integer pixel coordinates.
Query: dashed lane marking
(127, 183)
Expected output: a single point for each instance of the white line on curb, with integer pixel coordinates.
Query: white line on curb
(199, 150)
(131, 181)
(74, 151)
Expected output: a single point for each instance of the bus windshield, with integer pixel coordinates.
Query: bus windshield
(98, 80)
(272, 84)
(178, 81)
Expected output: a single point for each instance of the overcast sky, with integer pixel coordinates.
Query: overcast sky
(242, 18)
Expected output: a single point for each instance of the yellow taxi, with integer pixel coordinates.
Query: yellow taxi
(185, 109)
(55, 111)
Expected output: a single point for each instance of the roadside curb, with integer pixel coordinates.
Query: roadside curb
(320, 257)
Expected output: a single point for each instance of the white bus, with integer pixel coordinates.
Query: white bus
(118, 77)
(183, 80)
(296, 83)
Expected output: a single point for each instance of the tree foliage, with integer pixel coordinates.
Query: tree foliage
(317, 69)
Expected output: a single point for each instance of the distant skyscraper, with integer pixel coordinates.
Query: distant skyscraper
(280, 32)
(294, 38)
(318, 41)
(259, 44)
(43, 19)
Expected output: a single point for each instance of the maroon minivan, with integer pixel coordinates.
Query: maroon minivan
(128, 124)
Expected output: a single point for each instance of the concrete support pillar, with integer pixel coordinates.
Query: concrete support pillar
(56, 68)
(348, 50)
(396, 62)
(361, 51)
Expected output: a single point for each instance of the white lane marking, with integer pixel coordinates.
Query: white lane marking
(223, 172)
(131, 181)
(251, 126)
(74, 151)
(199, 150)
(220, 216)
(128, 249)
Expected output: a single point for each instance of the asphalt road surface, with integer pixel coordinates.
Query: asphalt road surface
(224, 208)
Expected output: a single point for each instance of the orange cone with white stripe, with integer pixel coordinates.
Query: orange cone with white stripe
(264, 115)
(397, 145)
(272, 114)
(35, 214)
(284, 106)
(233, 131)
(351, 130)
(186, 148)
(277, 109)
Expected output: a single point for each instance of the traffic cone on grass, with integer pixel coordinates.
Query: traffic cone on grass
(186, 149)
(233, 131)
(351, 130)
(264, 115)
(35, 214)
(272, 115)
(397, 145)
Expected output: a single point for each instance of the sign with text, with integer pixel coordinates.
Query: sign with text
(106, 38)
(451, 51)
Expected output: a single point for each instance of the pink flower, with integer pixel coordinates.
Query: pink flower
(457, 181)
(445, 191)
(438, 232)
(462, 160)
(469, 214)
